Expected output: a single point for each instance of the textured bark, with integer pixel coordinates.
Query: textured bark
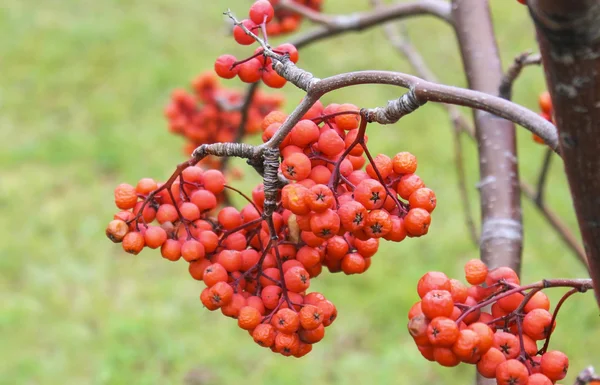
(501, 234)
(569, 38)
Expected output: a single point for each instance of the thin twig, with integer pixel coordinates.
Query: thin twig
(555, 221)
(521, 61)
(462, 125)
(400, 41)
(335, 25)
(543, 177)
(421, 89)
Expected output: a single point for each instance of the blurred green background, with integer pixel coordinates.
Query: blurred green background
(83, 84)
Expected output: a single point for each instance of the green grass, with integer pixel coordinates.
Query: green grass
(83, 86)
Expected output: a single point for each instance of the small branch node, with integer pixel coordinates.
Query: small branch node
(395, 109)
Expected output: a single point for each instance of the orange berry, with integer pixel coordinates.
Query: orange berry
(536, 324)
(116, 230)
(554, 365)
(437, 303)
(489, 363)
(383, 163)
(433, 280)
(145, 186)
(458, 291)
(404, 163)
(214, 273)
(125, 196)
(353, 263)
(415, 310)
(171, 250)
(286, 321)
(445, 357)
(330, 143)
(264, 335)
(297, 279)
(442, 331)
(418, 329)
(287, 344)
(503, 273)
(370, 193)
(475, 271)
(423, 198)
(408, 184)
(512, 372)
(466, 347)
(545, 102)
(296, 166)
(310, 317)
(133, 242)
(486, 336)
(312, 336)
(507, 343)
(221, 294)
(538, 379)
(249, 318)
(417, 222)
(510, 302)
(232, 309)
(347, 121)
(538, 301)
(155, 236)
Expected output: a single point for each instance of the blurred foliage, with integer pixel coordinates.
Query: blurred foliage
(83, 84)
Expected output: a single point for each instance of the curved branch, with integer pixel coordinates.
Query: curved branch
(335, 25)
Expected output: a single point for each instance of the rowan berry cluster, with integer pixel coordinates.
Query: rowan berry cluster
(450, 327)
(258, 66)
(257, 268)
(212, 113)
(547, 112)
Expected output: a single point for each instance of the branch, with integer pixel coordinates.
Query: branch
(523, 60)
(399, 40)
(586, 376)
(335, 25)
(569, 38)
(244, 109)
(461, 125)
(502, 230)
(422, 90)
(361, 20)
(543, 177)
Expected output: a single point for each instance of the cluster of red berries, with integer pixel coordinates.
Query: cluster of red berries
(262, 285)
(212, 113)
(258, 66)
(449, 326)
(547, 112)
(258, 269)
(285, 21)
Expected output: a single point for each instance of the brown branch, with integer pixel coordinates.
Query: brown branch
(399, 40)
(521, 61)
(422, 90)
(244, 108)
(543, 177)
(569, 39)
(502, 231)
(461, 125)
(359, 21)
(586, 376)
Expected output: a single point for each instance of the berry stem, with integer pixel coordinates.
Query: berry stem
(581, 285)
